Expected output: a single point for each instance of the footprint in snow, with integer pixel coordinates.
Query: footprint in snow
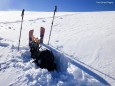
(43, 21)
(57, 41)
(61, 18)
(1, 26)
(4, 44)
(9, 27)
(1, 38)
(59, 47)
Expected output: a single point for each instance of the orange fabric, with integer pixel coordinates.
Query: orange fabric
(31, 36)
(36, 40)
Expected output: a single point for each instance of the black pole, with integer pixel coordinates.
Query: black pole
(52, 24)
(21, 27)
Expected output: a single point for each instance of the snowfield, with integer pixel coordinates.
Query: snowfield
(82, 42)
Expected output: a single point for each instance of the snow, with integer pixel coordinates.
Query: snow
(82, 42)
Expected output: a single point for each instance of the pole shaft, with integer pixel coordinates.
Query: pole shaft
(20, 34)
(21, 27)
(52, 24)
(51, 29)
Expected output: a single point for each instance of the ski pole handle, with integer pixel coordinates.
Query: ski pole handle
(22, 13)
(55, 10)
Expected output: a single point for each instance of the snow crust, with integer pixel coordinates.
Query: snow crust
(87, 37)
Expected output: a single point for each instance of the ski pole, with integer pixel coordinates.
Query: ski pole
(21, 27)
(52, 24)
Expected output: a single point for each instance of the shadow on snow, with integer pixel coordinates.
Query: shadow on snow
(79, 65)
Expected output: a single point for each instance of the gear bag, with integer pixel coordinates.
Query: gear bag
(43, 58)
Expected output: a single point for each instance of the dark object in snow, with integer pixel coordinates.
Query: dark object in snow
(43, 58)
(43, 21)
(9, 27)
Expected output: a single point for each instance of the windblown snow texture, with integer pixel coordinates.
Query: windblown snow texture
(82, 42)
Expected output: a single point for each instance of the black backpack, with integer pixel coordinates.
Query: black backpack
(45, 59)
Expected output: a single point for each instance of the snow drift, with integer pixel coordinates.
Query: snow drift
(87, 37)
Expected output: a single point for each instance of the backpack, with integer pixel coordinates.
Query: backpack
(44, 58)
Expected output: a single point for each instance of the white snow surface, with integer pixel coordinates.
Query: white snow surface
(86, 37)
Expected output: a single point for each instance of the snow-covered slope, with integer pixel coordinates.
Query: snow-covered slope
(87, 37)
